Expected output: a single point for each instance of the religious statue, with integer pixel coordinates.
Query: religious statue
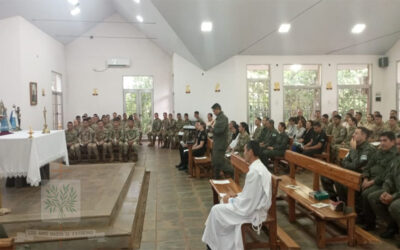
(5, 128)
(14, 119)
(45, 128)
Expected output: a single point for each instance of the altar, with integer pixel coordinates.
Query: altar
(21, 156)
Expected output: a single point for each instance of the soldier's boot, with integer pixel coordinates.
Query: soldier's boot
(111, 154)
(96, 153)
(78, 155)
(391, 231)
(120, 156)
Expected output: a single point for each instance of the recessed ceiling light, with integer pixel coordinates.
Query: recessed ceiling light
(358, 28)
(295, 67)
(136, 1)
(75, 11)
(206, 26)
(284, 28)
(139, 18)
(73, 2)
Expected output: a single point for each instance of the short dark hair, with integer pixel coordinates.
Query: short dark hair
(255, 147)
(271, 122)
(338, 117)
(359, 113)
(178, 114)
(155, 113)
(196, 112)
(310, 121)
(69, 123)
(283, 125)
(292, 119)
(326, 116)
(316, 124)
(186, 114)
(365, 131)
(259, 118)
(354, 120)
(378, 115)
(78, 116)
(389, 134)
(216, 106)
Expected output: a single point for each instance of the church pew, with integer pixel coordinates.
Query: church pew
(7, 243)
(342, 153)
(283, 239)
(202, 166)
(326, 155)
(350, 179)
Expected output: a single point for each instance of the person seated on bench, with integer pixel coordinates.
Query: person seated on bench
(234, 129)
(258, 130)
(198, 149)
(339, 133)
(155, 130)
(291, 128)
(264, 130)
(357, 158)
(279, 147)
(270, 136)
(398, 142)
(375, 173)
(302, 138)
(223, 225)
(244, 138)
(351, 127)
(386, 203)
(317, 143)
(86, 140)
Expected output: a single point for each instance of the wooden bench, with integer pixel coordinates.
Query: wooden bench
(202, 166)
(284, 241)
(342, 153)
(300, 195)
(326, 155)
(279, 159)
(7, 244)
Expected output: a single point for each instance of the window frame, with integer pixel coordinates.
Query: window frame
(268, 80)
(125, 91)
(317, 86)
(354, 86)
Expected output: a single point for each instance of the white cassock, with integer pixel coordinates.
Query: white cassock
(223, 225)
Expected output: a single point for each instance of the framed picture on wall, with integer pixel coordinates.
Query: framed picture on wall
(33, 93)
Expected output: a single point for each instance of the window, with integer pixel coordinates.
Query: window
(138, 98)
(302, 90)
(354, 88)
(57, 96)
(257, 93)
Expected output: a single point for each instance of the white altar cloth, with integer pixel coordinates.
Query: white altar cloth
(21, 156)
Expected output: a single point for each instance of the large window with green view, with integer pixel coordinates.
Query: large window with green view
(258, 97)
(138, 98)
(301, 90)
(354, 83)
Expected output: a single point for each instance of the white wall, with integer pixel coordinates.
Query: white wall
(390, 77)
(84, 54)
(30, 55)
(231, 74)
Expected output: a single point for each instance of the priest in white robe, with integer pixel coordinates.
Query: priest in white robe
(223, 225)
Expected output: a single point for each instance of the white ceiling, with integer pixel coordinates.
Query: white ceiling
(247, 27)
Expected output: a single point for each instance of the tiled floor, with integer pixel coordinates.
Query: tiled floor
(177, 208)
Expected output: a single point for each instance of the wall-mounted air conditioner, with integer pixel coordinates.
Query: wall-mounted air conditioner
(118, 62)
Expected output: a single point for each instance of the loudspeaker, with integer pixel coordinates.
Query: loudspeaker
(383, 62)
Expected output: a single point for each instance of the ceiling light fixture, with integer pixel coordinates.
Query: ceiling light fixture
(139, 18)
(136, 1)
(284, 28)
(73, 2)
(358, 28)
(206, 26)
(75, 11)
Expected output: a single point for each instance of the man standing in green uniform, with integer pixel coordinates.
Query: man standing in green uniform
(132, 137)
(71, 136)
(258, 130)
(278, 147)
(117, 137)
(86, 139)
(102, 139)
(155, 130)
(361, 151)
(386, 203)
(220, 142)
(375, 173)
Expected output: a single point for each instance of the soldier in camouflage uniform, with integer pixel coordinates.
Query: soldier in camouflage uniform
(117, 137)
(179, 128)
(86, 139)
(124, 121)
(375, 173)
(107, 123)
(155, 130)
(352, 125)
(78, 124)
(339, 134)
(132, 137)
(138, 126)
(164, 130)
(258, 130)
(244, 138)
(391, 125)
(102, 139)
(71, 136)
(95, 119)
(171, 131)
(378, 128)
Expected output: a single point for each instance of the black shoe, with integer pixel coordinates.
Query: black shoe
(179, 165)
(390, 232)
(208, 248)
(184, 167)
(369, 227)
